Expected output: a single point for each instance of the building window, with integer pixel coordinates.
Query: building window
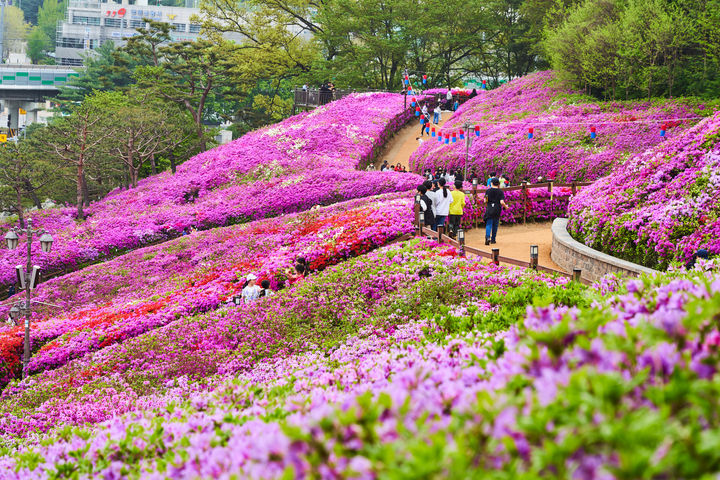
(195, 28)
(114, 22)
(178, 27)
(75, 62)
(137, 24)
(78, 20)
(70, 42)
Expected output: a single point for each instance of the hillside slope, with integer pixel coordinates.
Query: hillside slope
(561, 119)
(309, 159)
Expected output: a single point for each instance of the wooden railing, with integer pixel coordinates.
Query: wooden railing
(525, 187)
(305, 99)
(494, 256)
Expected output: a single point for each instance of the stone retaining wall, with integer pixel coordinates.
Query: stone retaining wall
(568, 253)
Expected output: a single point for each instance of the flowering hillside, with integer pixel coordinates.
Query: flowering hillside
(430, 379)
(561, 120)
(660, 206)
(306, 160)
(151, 287)
(379, 291)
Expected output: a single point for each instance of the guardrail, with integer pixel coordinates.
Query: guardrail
(494, 256)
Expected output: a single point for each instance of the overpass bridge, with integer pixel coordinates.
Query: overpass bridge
(24, 86)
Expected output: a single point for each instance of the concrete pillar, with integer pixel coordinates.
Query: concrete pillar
(13, 107)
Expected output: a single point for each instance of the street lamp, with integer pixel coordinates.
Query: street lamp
(28, 278)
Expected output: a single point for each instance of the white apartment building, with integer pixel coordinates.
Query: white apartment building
(90, 24)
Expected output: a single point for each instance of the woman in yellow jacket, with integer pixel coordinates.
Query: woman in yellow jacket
(456, 208)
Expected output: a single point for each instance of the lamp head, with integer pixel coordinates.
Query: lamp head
(533, 251)
(14, 312)
(12, 240)
(237, 299)
(461, 235)
(46, 241)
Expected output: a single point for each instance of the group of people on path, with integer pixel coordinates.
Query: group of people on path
(385, 167)
(440, 204)
(251, 291)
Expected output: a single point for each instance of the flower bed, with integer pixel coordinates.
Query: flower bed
(621, 388)
(309, 159)
(146, 289)
(379, 290)
(660, 206)
(561, 146)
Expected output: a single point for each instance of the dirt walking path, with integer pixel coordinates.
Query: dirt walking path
(404, 143)
(514, 241)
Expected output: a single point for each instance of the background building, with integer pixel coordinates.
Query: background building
(90, 24)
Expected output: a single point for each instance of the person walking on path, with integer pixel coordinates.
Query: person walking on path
(437, 114)
(457, 208)
(426, 206)
(441, 201)
(494, 201)
(251, 291)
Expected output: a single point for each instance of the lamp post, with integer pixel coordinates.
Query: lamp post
(461, 241)
(468, 141)
(534, 256)
(27, 279)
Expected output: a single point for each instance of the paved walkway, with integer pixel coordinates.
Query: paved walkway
(404, 143)
(513, 240)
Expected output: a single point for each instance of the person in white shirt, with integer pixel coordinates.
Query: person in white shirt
(448, 97)
(251, 292)
(437, 114)
(441, 203)
(425, 110)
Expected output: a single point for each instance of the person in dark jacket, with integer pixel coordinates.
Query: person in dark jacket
(494, 201)
(426, 206)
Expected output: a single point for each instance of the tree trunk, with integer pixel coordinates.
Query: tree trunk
(31, 191)
(19, 207)
(79, 191)
(172, 163)
(134, 172)
(86, 193)
(152, 164)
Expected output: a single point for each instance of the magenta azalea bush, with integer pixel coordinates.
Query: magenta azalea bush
(660, 206)
(309, 159)
(151, 287)
(561, 119)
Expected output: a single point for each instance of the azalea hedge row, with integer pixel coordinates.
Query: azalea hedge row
(660, 206)
(309, 159)
(561, 147)
(146, 289)
(621, 385)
